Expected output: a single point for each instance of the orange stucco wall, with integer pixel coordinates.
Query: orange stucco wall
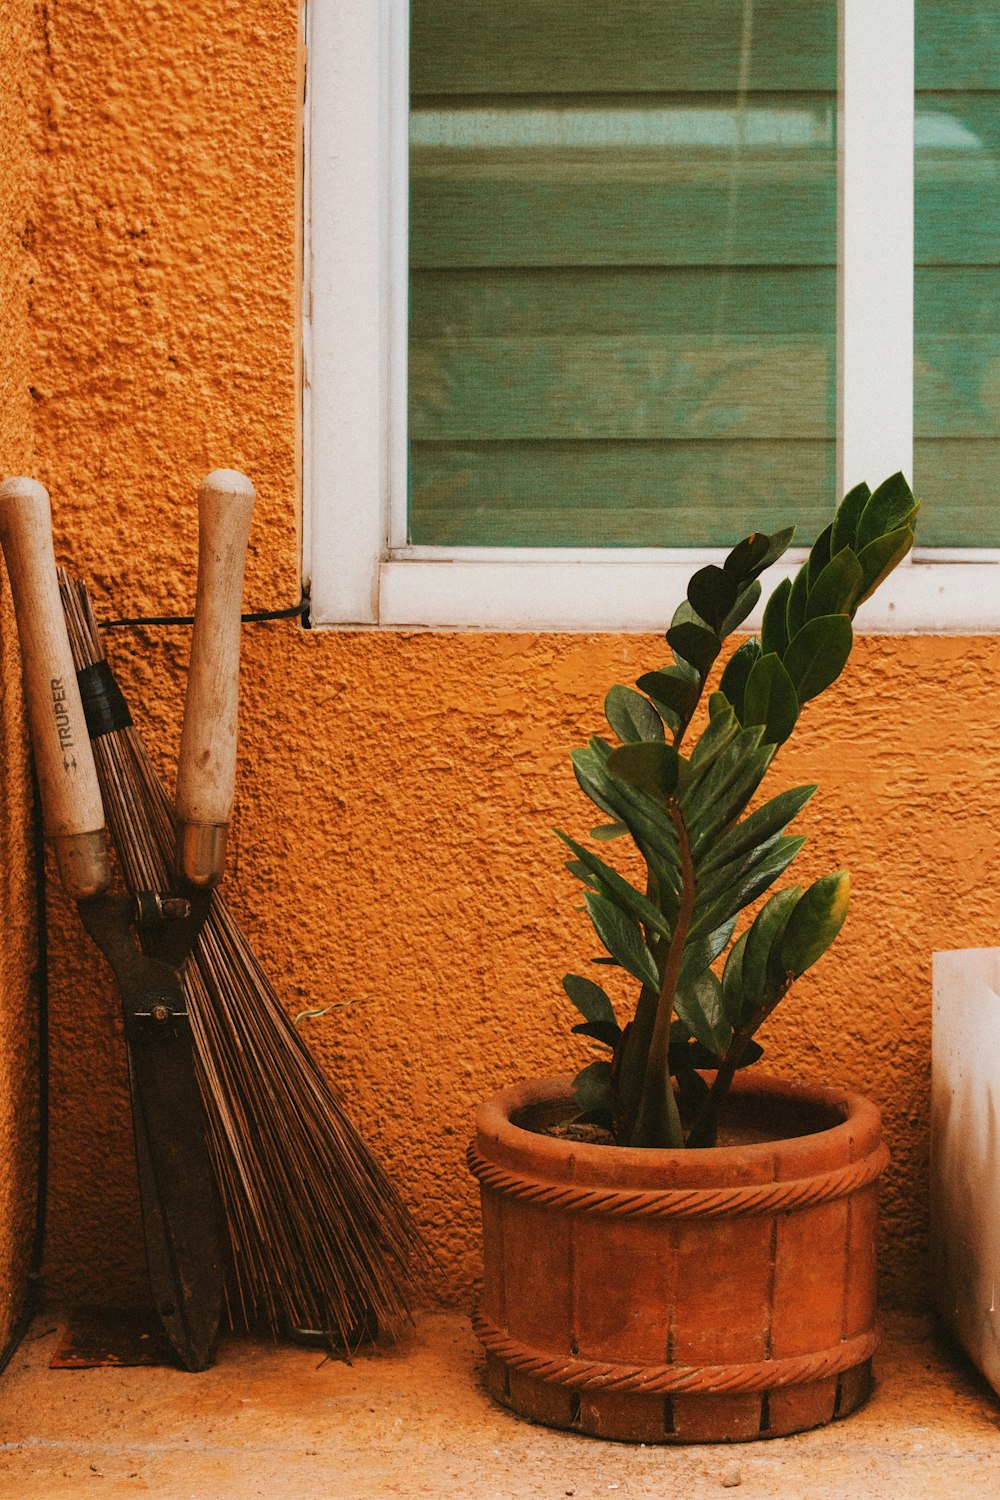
(396, 791)
(18, 939)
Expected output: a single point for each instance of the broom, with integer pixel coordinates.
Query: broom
(320, 1239)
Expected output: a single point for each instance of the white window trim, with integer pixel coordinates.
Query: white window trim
(360, 570)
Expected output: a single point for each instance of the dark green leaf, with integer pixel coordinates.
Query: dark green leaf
(845, 522)
(670, 690)
(727, 892)
(608, 1032)
(732, 981)
(617, 889)
(745, 602)
(752, 1052)
(647, 822)
(636, 1041)
(797, 600)
(737, 670)
(698, 1003)
(728, 789)
(605, 832)
(581, 872)
(778, 543)
(720, 731)
(718, 704)
(714, 738)
(622, 938)
(685, 1054)
(756, 552)
(695, 644)
(717, 757)
(838, 588)
(773, 633)
(711, 593)
(818, 655)
(815, 922)
(652, 767)
(686, 614)
(588, 997)
(702, 951)
(819, 555)
(878, 559)
(631, 716)
(757, 830)
(770, 699)
(887, 510)
(691, 1087)
(588, 771)
(592, 1091)
(765, 929)
(747, 557)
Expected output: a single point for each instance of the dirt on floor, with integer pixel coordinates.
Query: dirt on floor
(413, 1420)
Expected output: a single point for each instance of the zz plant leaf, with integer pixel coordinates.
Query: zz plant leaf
(631, 716)
(588, 997)
(710, 963)
(770, 699)
(712, 593)
(815, 922)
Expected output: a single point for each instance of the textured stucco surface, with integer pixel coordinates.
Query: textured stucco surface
(392, 842)
(18, 1094)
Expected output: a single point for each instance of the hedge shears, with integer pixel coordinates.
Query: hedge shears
(146, 940)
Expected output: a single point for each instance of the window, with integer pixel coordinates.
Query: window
(957, 270)
(472, 544)
(623, 271)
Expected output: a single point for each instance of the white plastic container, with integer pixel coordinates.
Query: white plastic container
(965, 1151)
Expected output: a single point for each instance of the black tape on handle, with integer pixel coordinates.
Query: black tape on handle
(103, 705)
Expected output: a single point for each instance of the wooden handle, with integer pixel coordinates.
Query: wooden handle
(206, 773)
(71, 796)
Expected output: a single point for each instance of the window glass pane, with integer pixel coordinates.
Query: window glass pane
(957, 288)
(623, 270)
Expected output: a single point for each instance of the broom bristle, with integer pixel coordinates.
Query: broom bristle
(319, 1237)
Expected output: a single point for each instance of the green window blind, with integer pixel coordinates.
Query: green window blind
(957, 278)
(623, 245)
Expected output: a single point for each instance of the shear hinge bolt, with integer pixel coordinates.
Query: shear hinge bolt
(161, 1013)
(151, 906)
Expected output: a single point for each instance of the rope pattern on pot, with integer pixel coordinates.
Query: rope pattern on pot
(683, 1203)
(663, 1380)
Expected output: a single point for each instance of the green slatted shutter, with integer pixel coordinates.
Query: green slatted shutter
(623, 244)
(957, 273)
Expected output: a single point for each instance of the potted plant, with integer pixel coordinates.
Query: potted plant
(675, 1249)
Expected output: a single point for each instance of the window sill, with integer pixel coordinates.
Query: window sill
(549, 590)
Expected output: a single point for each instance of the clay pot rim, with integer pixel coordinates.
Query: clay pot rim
(856, 1135)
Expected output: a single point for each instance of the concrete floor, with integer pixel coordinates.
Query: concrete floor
(413, 1420)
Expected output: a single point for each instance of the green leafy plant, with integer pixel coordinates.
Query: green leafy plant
(704, 992)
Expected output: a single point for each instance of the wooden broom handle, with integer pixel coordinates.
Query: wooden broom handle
(206, 772)
(67, 778)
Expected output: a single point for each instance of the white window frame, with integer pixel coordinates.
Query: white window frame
(362, 573)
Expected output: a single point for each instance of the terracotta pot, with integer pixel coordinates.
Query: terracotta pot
(681, 1296)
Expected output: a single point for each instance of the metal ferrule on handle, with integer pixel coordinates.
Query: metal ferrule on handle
(206, 774)
(67, 778)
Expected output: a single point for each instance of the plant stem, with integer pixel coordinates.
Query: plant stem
(706, 1125)
(657, 1116)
